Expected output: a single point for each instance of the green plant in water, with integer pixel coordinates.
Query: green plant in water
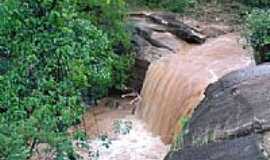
(122, 126)
(179, 139)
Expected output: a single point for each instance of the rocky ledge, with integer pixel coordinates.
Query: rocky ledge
(233, 121)
(156, 35)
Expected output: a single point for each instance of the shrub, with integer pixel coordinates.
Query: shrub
(110, 16)
(177, 5)
(171, 5)
(179, 138)
(258, 24)
(52, 54)
(257, 3)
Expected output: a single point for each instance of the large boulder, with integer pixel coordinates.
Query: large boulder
(237, 105)
(233, 117)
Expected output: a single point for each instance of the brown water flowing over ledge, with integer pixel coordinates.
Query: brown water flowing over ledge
(181, 62)
(174, 85)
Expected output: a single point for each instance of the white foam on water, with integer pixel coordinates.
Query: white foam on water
(138, 144)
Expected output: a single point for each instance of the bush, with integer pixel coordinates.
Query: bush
(52, 53)
(110, 16)
(257, 3)
(177, 5)
(171, 5)
(258, 24)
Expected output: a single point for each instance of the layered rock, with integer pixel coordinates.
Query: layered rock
(157, 35)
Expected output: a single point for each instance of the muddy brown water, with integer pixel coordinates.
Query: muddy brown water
(175, 84)
(138, 144)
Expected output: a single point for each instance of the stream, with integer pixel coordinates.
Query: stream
(173, 86)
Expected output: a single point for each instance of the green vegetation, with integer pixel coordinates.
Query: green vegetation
(179, 139)
(170, 5)
(109, 15)
(258, 25)
(256, 3)
(252, 17)
(51, 52)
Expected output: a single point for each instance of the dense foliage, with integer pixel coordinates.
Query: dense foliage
(50, 53)
(172, 5)
(109, 15)
(258, 24)
(256, 3)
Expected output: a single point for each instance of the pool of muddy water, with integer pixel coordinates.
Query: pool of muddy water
(117, 134)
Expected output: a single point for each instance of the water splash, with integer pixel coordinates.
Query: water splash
(136, 144)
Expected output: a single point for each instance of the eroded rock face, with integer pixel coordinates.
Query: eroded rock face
(232, 122)
(157, 35)
(178, 28)
(160, 34)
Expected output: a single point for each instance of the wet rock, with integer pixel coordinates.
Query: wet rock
(151, 42)
(235, 106)
(246, 148)
(156, 35)
(148, 34)
(232, 122)
(210, 30)
(178, 28)
(213, 31)
(142, 62)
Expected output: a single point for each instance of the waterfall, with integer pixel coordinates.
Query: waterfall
(175, 84)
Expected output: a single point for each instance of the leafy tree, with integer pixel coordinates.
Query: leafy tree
(110, 16)
(49, 54)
